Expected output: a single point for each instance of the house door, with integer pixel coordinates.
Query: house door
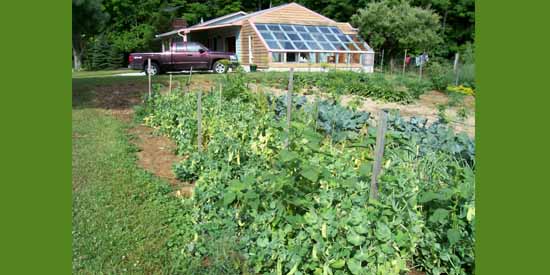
(230, 43)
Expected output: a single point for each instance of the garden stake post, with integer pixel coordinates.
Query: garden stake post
(455, 69)
(391, 66)
(289, 105)
(149, 74)
(189, 79)
(379, 154)
(199, 120)
(170, 84)
(404, 61)
(382, 61)
(420, 69)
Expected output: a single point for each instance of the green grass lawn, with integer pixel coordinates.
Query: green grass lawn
(120, 212)
(103, 73)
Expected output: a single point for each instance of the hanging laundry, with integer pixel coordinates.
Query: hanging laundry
(417, 61)
(408, 60)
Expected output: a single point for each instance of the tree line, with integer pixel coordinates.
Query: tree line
(105, 30)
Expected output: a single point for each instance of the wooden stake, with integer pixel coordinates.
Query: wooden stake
(379, 154)
(405, 61)
(199, 120)
(189, 79)
(149, 74)
(391, 66)
(421, 64)
(382, 61)
(289, 105)
(455, 68)
(220, 99)
(170, 84)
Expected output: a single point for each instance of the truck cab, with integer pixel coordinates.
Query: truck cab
(182, 56)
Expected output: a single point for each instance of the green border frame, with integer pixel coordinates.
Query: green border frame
(35, 114)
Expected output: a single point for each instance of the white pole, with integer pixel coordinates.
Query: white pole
(149, 74)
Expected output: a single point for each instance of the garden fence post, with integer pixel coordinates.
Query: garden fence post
(289, 105)
(382, 61)
(404, 61)
(149, 74)
(199, 120)
(391, 66)
(189, 79)
(170, 84)
(420, 69)
(455, 68)
(379, 153)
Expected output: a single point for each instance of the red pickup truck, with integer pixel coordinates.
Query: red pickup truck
(183, 56)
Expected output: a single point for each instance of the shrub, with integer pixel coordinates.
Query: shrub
(440, 75)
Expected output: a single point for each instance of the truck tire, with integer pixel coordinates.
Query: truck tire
(219, 67)
(154, 69)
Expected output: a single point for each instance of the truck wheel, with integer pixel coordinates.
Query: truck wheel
(154, 69)
(219, 67)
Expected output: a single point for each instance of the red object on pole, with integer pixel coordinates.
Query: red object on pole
(408, 60)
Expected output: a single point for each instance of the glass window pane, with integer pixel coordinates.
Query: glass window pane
(314, 46)
(287, 28)
(267, 35)
(287, 45)
(277, 57)
(331, 38)
(326, 46)
(280, 35)
(312, 29)
(290, 57)
(300, 28)
(272, 44)
(324, 29)
(300, 45)
(313, 58)
(319, 37)
(261, 27)
(293, 36)
(351, 47)
(274, 27)
(339, 46)
(343, 38)
(335, 30)
(306, 36)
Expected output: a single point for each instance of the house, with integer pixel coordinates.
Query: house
(279, 38)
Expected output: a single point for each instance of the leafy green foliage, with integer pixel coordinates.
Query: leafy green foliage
(306, 209)
(396, 26)
(402, 89)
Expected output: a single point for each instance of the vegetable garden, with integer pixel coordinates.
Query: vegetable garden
(260, 207)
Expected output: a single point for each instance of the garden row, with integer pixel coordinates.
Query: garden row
(260, 207)
(390, 88)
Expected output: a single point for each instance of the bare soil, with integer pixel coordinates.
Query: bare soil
(425, 106)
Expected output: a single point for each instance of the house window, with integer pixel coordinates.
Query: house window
(304, 57)
(276, 57)
(290, 57)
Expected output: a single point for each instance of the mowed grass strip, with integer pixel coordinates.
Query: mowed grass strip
(121, 213)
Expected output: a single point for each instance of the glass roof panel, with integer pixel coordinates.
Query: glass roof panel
(287, 45)
(313, 45)
(280, 35)
(331, 38)
(273, 27)
(304, 37)
(300, 45)
(287, 28)
(293, 36)
(300, 28)
(273, 44)
(267, 35)
(327, 46)
(261, 27)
